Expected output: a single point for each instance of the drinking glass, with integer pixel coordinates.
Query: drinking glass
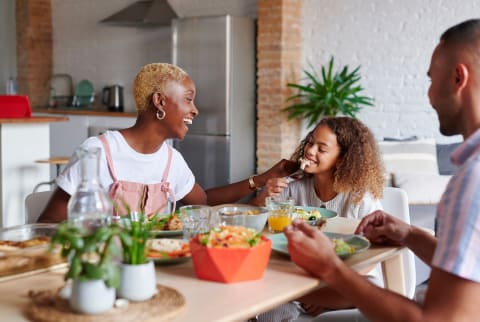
(280, 213)
(195, 220)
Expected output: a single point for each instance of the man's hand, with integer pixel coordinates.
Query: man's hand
(382, 228)
(310, 249)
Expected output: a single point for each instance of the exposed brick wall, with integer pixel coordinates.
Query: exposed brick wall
(34, 49)
(279, 61)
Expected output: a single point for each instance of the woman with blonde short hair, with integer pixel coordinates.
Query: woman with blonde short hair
(138, 167)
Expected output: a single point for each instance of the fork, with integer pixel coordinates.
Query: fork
(297, 175)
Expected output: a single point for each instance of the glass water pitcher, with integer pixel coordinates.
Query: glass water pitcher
(90, 206)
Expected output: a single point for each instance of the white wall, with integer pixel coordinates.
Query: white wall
(103, 54)
(8, 40)
(392, 40)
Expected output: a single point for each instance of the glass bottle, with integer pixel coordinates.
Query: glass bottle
(51, 98)
(11, 86)
(90, 206)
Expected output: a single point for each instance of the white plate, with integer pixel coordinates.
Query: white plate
(169, 260)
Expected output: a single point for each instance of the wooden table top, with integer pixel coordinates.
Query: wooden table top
(211, 301)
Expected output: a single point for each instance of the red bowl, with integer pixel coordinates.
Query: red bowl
(230, 265)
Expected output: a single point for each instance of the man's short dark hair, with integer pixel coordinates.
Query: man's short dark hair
(465, 32)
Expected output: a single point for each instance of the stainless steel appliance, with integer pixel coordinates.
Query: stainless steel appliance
(219, 54)
(112, 97)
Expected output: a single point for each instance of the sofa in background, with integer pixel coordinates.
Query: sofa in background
(422, 168)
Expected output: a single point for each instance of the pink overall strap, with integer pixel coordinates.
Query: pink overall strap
(169, 161)
(108, 154)
(165, 184)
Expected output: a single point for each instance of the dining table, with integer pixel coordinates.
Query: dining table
(282, 281)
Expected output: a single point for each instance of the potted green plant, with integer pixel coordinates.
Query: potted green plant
(328, 94)
(137, 273)
(92, 267)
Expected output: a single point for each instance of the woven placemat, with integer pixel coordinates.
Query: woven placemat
(165, 305)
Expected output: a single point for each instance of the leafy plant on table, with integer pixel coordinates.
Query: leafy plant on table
(329, 94)
(91, 254)
(136, 229)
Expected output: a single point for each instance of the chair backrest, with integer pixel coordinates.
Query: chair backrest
(34, 205)
(395, 202)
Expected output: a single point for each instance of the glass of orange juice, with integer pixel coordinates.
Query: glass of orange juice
(280, 213)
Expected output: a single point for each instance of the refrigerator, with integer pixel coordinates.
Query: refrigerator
(219, 55)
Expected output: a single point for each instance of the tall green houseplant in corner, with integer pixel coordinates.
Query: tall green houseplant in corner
(328, 94)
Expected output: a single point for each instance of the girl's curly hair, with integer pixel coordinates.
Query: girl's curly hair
(360, 169)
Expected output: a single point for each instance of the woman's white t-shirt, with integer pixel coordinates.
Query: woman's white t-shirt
(130, 165)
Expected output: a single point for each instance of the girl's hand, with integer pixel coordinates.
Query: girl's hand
(273, 187)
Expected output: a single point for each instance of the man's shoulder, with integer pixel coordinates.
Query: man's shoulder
(470, 169)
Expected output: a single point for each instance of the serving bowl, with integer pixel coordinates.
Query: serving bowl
(249, 216)
(230, 265)
(28, 256)
(26, 232)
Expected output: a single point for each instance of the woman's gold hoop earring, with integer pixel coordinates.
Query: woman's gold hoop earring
(160, 114)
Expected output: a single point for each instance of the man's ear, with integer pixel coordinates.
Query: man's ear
(462, 76)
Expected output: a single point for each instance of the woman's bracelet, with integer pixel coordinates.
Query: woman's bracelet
(251, 183)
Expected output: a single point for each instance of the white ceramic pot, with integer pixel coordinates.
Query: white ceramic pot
(137, 282)
(91, 297)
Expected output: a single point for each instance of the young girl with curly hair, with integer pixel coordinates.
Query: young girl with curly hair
(343, 170)
(344, 173)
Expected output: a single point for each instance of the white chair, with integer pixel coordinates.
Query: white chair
(34, 205)
(394, 202)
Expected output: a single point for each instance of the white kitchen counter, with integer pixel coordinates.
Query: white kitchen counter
(22, 141)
